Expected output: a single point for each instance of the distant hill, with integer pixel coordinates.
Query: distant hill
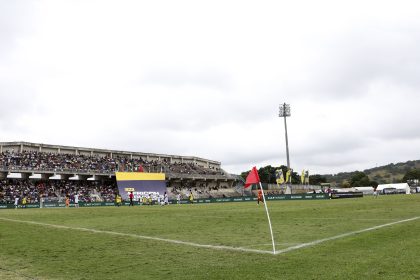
(391, 173)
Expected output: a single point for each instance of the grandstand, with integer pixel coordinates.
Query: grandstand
(55, 171)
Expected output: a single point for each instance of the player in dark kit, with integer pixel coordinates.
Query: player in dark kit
(131, 196)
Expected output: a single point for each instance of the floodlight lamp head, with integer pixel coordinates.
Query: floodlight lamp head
(284, 110)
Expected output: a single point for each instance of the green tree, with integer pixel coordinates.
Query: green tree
(411, 175)
(265, 174)
(244, 174)
(359, 179)
(268, 174)
(317, 179)
(345, 184)
(295, 178)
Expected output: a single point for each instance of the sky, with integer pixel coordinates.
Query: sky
(206, 78)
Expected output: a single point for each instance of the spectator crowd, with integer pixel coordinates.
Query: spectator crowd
(91, 191)
(34, 160)
(56, 190)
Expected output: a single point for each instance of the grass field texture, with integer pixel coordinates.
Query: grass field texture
(141, 242)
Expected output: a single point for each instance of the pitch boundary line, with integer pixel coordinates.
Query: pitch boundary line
(217, 247)
(316, 242)
(355, 219)
(192, 244)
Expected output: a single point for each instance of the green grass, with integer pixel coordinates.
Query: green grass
(29, 251)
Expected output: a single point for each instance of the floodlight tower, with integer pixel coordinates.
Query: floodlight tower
(284, 111)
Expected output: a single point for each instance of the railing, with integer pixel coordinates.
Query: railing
(199, 176)
(90, 172)
(67, 171)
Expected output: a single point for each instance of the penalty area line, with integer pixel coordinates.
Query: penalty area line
(316, 242)
(179, 242)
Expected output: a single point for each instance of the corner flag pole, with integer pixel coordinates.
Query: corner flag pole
(269, 221)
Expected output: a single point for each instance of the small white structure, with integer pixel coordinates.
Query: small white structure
(399, 187)
(364, 190)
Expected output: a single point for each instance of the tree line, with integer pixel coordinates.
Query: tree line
(354, 179)
(268, 175)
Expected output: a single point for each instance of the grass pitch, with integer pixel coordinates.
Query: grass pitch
(122, 243)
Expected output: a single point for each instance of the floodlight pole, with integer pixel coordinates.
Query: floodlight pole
(284, 111)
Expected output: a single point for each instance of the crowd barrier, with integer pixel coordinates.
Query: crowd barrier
(184, 201)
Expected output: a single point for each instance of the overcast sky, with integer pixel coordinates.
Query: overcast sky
(205, 78)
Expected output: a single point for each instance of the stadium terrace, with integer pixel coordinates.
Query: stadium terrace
(30, 169)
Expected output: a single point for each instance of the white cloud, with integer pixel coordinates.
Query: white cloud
(206, 79)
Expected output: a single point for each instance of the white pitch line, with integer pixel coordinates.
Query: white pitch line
(218, 247)
(271, 244)
(303, 245)
(352, 219)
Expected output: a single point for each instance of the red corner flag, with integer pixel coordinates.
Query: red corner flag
(252, 177)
